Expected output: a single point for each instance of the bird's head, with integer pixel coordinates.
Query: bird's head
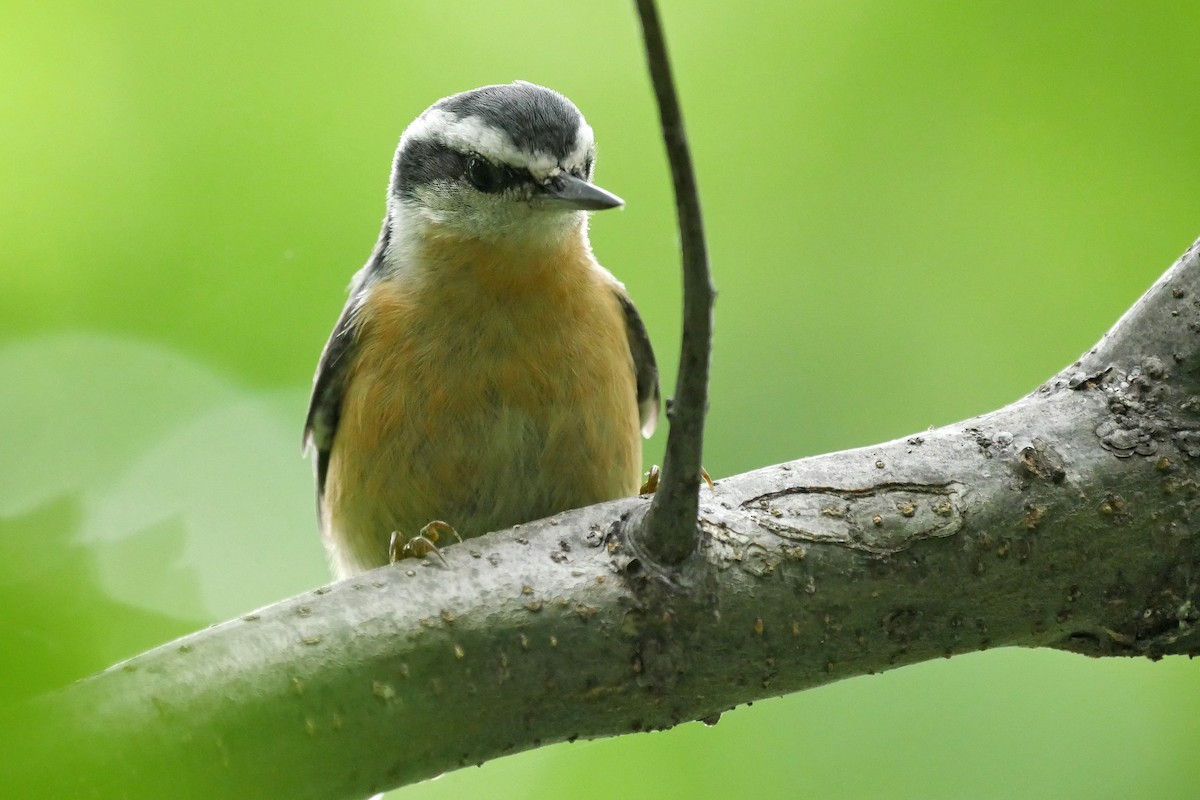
(511, 161)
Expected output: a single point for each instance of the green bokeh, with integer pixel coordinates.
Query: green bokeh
(916, 211)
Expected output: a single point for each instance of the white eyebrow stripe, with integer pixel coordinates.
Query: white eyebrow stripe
(584, 142)
(472, 134)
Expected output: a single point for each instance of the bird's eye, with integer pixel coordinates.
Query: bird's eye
(484, 175)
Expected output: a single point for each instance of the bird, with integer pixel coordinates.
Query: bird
(486, 370)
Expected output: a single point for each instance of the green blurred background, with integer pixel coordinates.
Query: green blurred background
(917, 212)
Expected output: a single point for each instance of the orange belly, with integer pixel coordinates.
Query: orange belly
(483, 395)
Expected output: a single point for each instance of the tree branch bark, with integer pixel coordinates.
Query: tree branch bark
(1064, 520)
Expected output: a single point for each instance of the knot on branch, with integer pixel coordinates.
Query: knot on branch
(668, 608)
(1165, 622)
(881, 519)
(1041, 460)
(1146, 410)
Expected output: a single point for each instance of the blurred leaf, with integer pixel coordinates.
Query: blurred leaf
(56, 622)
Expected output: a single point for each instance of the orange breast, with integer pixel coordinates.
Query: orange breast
(486, 391)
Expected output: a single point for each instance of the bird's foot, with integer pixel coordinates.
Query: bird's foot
(650, 485)
(422, 544)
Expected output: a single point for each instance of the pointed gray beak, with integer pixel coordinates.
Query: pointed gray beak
(567, 191)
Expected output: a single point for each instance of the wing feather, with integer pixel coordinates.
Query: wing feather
(645, 368)
(329, 383)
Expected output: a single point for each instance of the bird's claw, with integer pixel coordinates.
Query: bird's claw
(650, 485)
(421, 545)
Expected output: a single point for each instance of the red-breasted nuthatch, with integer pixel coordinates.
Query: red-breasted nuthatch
(486, 370)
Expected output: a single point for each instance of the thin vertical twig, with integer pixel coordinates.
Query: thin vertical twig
(670, 532)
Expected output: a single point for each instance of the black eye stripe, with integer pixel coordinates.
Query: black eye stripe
(422, 162)
(491, 178)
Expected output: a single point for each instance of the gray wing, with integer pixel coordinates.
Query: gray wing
(329, 383)
(648, 394)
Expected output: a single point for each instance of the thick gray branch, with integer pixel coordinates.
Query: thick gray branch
(1063, 520)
